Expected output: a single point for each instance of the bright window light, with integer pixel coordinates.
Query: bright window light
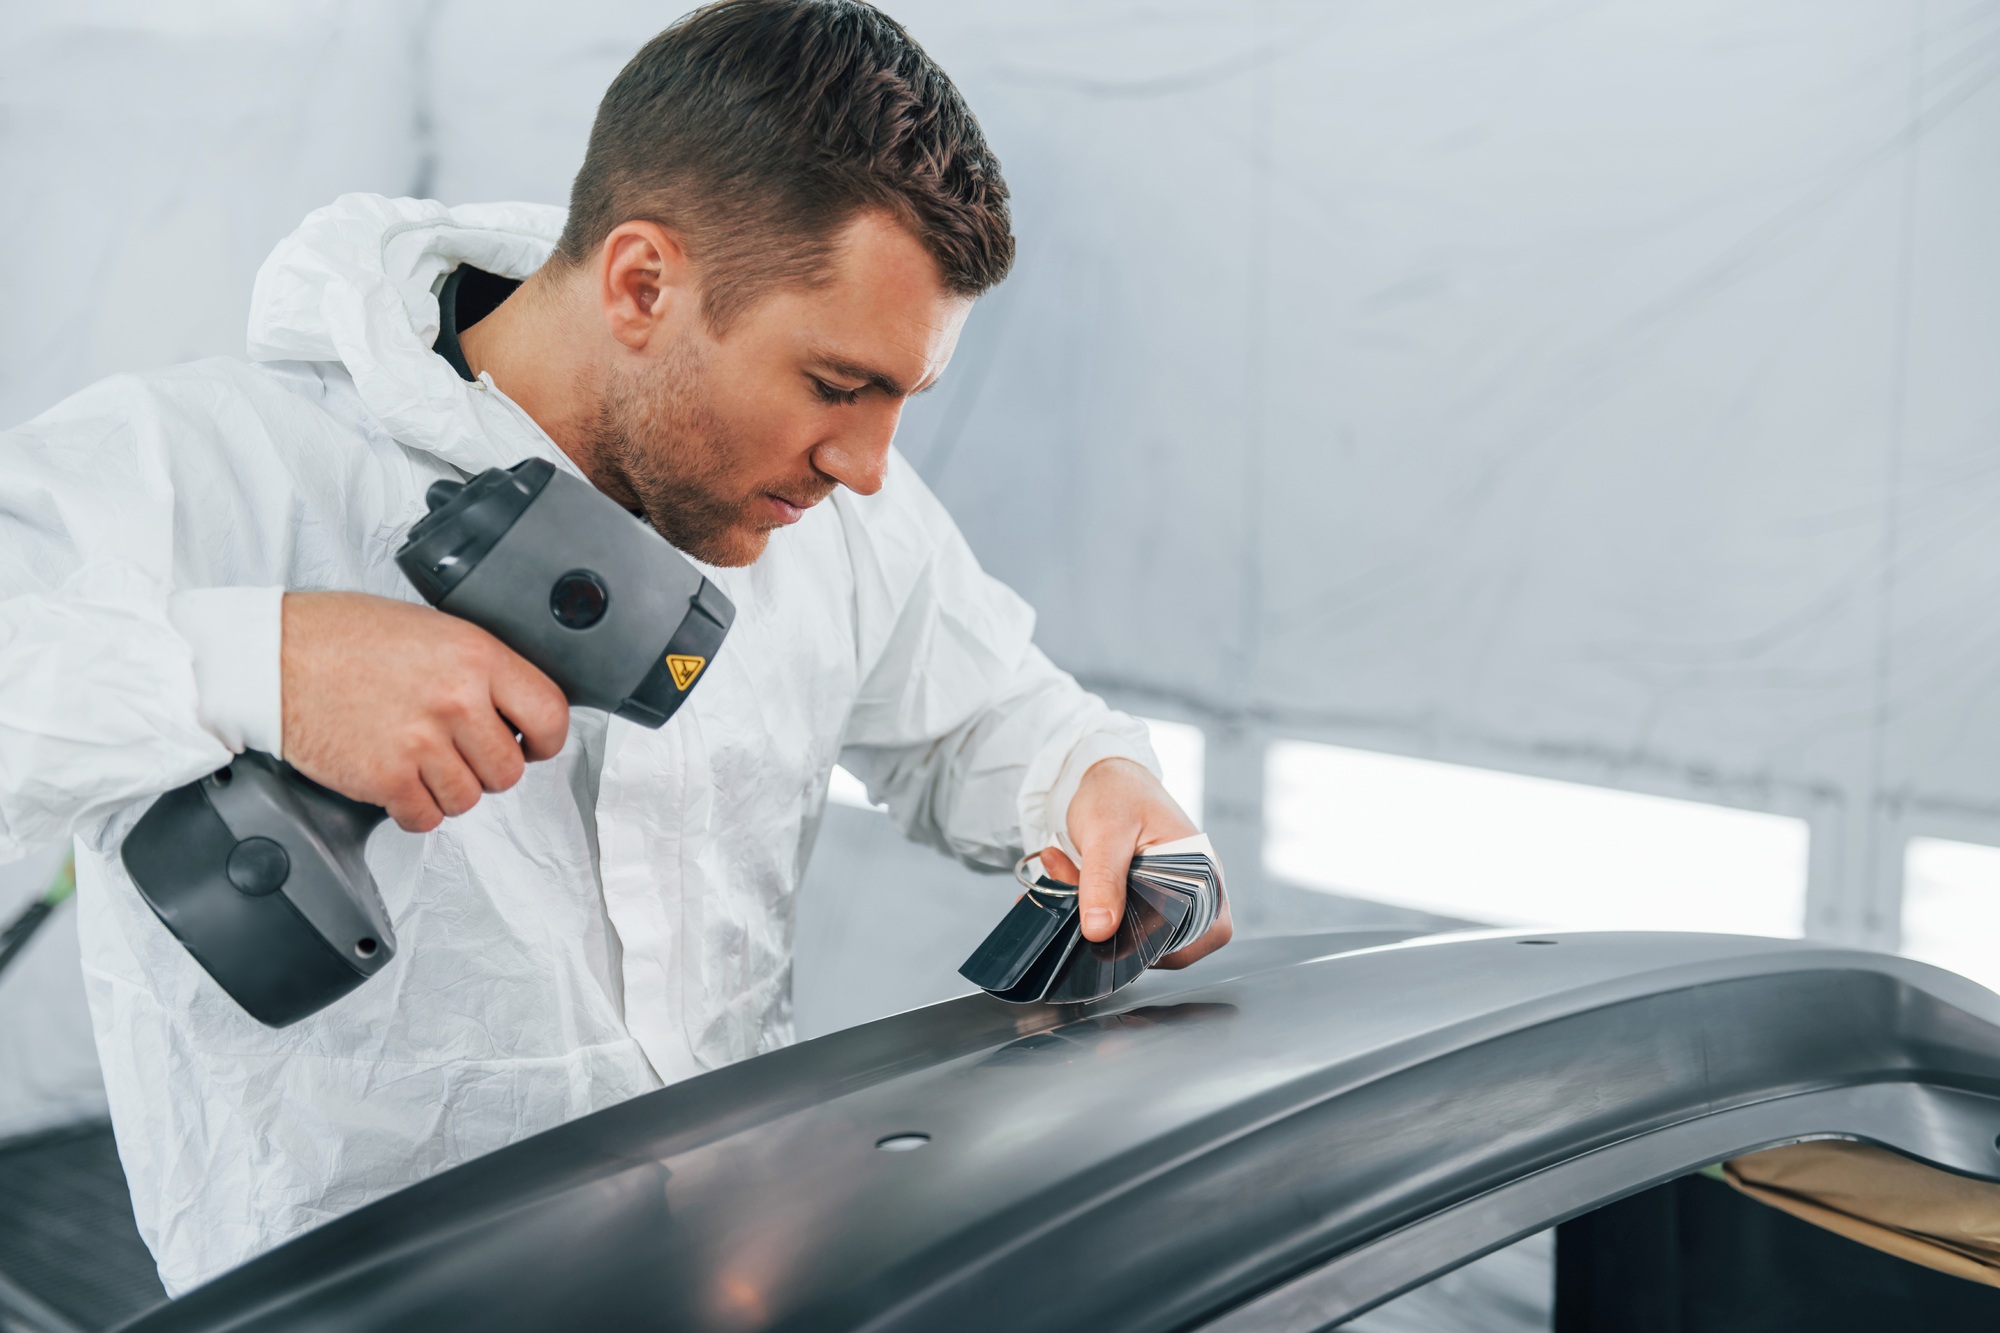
(1513, 850)
(1183, 750)
(1181, 747)
(1951, 907)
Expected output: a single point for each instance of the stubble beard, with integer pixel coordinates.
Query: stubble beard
(657, 431)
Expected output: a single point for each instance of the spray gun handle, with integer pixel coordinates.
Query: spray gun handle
(261, 873)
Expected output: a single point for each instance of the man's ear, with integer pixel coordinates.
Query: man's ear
(644, 282)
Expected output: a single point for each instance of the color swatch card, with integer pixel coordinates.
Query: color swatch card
(1037, 953)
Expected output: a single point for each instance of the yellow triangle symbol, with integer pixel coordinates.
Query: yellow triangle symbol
(684, 669)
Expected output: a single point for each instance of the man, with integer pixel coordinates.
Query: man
(783, 218)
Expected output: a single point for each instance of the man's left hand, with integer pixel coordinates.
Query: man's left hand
(1120, 808)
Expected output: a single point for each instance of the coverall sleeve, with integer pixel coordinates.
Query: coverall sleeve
(101, 663)
(970, 735)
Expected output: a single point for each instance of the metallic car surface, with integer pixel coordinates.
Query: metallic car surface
(1277, 1138)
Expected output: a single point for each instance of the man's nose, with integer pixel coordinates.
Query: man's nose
(858, 457)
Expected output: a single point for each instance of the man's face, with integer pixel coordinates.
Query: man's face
(723, 439)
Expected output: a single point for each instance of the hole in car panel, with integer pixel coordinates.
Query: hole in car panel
(365, 947)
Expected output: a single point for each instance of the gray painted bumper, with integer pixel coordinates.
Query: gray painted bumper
(1278, 1138)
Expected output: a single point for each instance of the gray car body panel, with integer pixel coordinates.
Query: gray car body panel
(1280, 1137)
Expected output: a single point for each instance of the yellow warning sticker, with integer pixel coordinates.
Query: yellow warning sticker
(684, 668)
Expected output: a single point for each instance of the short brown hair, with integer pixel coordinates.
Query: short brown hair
(755, 129)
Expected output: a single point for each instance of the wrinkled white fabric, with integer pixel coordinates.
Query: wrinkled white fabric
(620, 919)
(235, 635)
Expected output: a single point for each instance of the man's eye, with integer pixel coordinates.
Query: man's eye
(832, 396)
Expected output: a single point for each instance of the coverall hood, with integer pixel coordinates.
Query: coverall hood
(357, 284)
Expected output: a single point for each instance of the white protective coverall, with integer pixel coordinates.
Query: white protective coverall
(619, 920)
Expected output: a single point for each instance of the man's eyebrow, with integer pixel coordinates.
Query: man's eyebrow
(848, 370)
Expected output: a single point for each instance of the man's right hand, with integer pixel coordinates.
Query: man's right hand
(408, 708)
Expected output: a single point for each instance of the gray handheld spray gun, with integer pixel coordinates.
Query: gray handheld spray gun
(259, 870)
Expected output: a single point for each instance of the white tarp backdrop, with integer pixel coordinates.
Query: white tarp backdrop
(1606, 392)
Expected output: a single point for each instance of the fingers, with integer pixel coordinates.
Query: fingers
(1100, 889)
(486, 745)
(479, 756)
(406, 707)
(451, 783)
(533, 704)
(1119, 807)
(473, 748)
(1060, 867)
(412, 806)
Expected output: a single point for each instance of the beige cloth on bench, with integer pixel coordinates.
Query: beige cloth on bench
(1884, 1200)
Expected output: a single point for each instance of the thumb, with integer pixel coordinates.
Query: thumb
(1100, 889)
